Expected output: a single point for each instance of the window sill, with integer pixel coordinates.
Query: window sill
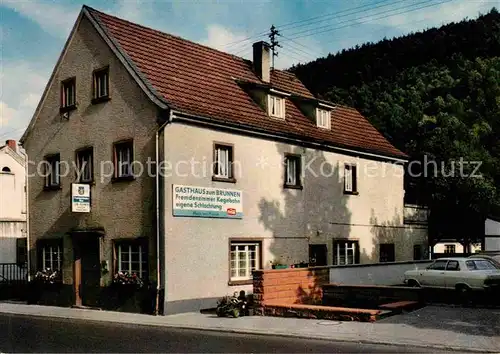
(52, 188)
(67, 109)
(292, 186)
(100, 99)
(240, 282)
(122, 179)
(222, 179)
(91, 183)
(351, 193)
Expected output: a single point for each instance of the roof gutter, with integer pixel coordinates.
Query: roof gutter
(180, 116)
(159, 231)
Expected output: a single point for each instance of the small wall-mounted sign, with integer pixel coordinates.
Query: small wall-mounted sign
(80, 198)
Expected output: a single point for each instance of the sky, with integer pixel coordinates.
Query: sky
(33, 33)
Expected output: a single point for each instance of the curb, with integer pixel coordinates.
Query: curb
(260, 332)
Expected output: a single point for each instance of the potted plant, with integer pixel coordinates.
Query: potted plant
(46, 285)
(301, 265)
(276, 264)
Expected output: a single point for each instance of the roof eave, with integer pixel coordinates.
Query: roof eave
(296, 137)
(115, 47)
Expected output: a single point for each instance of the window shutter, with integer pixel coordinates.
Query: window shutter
(348, 178)
(356, 252)
(354, 178)
(230, 162)
(216, 161)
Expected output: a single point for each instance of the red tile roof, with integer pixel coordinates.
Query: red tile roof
(198, 80)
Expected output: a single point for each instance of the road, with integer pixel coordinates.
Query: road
(41, 334)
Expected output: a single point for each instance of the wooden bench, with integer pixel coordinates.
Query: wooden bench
(281, 309)
(401, 305)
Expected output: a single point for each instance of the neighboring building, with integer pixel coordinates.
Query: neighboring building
(453, 247)
(13, 245)
(254, 169)
(492, 234)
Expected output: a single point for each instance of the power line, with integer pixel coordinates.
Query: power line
(11, 132)
(343, 38)
(386, 16)
(334, 14)
(302, 45)
(327, 28)
(349, 20)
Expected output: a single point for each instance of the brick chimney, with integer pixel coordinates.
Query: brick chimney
(262, 60)
(12, 144)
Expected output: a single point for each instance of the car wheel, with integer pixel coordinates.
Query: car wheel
(413, 283)
(236, 313)
(219, 312)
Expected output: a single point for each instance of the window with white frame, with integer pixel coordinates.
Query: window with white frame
(276, 106)
(323, 118)
(245, 258)
(292, 171)
(223, 161)
(51, 255)
(132, 258)
(123, 159)
(52, 171)
(350, 179)
(68, 93)
(345, 252)
(101, 83)
(449, 249)
(84, 160)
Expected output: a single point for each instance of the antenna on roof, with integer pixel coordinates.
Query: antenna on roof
(274, 41)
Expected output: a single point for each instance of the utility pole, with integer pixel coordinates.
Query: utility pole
(274, 42)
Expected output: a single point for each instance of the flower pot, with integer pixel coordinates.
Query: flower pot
(280, 266)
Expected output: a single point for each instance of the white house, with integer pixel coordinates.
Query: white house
(250, 168)
(13, 221)
(492, 234)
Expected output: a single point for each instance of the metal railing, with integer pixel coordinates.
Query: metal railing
(13, 273)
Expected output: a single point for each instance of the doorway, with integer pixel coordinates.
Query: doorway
(87, 271)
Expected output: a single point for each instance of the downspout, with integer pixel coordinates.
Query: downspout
(26, 193)
(158, 231)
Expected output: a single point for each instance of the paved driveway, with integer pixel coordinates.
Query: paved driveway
(470, 321)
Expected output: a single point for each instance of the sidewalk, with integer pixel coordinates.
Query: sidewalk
(375, 333)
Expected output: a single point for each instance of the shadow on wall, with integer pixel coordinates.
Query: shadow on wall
(303, 217)
(391, 232)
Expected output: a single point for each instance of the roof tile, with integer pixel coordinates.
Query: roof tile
(199, 80)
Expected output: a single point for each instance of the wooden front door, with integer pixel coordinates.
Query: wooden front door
(87, 271)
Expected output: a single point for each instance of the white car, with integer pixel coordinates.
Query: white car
(462, 274)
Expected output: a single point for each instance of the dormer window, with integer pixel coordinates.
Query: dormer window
(323, 118)
(276, 106)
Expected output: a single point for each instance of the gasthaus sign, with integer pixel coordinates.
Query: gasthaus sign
(207, 202)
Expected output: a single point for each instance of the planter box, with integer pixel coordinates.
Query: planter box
(279, 266)
(128, 298)
(57, 294)
(301, 265)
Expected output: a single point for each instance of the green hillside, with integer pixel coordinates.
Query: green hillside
(435, 95)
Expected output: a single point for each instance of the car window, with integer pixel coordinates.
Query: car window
(438, 265)
(480, 264)
(453, 265)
